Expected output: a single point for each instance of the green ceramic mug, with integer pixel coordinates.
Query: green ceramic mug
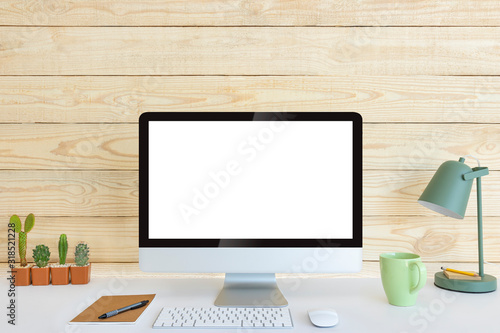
(403, 275)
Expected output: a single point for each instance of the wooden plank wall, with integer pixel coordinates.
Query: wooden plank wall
(75, 76)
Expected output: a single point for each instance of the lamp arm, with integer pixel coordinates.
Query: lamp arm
(480, 227)
(476, 173)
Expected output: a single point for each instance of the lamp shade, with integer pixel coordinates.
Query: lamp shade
(448, 193)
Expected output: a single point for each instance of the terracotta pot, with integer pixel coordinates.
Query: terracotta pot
(22, 275)
(80, 274)
(59, 275)
(40, 276)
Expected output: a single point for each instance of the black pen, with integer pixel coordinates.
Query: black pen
(130, 307)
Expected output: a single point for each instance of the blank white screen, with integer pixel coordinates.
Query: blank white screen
(244, 180)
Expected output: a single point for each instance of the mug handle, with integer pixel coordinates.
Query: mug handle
(422, 277)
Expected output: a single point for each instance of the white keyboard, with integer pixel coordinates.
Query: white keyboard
(218, 317)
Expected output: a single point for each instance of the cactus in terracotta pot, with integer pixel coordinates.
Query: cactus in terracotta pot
(41, 255)
(60, 272)
(80, 272)
(40, 275)
(29, 223)
(63, 249)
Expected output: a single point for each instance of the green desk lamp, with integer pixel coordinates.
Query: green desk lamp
(448, 193)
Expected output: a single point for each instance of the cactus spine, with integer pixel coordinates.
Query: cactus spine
(81, 254)
(41, 255)
(63, 249)
(29, 223)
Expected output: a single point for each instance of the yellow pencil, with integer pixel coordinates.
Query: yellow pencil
(459, 272)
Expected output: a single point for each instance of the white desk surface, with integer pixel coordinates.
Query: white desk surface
(360, 303)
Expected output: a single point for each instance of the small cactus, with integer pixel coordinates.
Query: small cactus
(41, 255)
(29, 223)
(81, 254)
(63, 249)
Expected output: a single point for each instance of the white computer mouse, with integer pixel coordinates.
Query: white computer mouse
(323, 317)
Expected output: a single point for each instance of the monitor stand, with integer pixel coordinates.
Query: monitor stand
(250, 290)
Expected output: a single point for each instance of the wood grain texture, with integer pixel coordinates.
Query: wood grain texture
(435, 238)
(426, 146)
(249, 51)
(69, 146)
(70, 193)
(115, 193)
(249, 12)
(97, 99)
(110, 239)
(395, 192)
(423, 74)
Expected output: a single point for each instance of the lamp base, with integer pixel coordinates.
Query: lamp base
(487, 284)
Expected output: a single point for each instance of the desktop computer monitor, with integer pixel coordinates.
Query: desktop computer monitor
(250, 195)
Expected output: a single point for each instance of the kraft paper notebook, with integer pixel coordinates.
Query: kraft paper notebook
(110, 303)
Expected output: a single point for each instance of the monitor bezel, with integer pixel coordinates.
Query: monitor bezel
(147, 117)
